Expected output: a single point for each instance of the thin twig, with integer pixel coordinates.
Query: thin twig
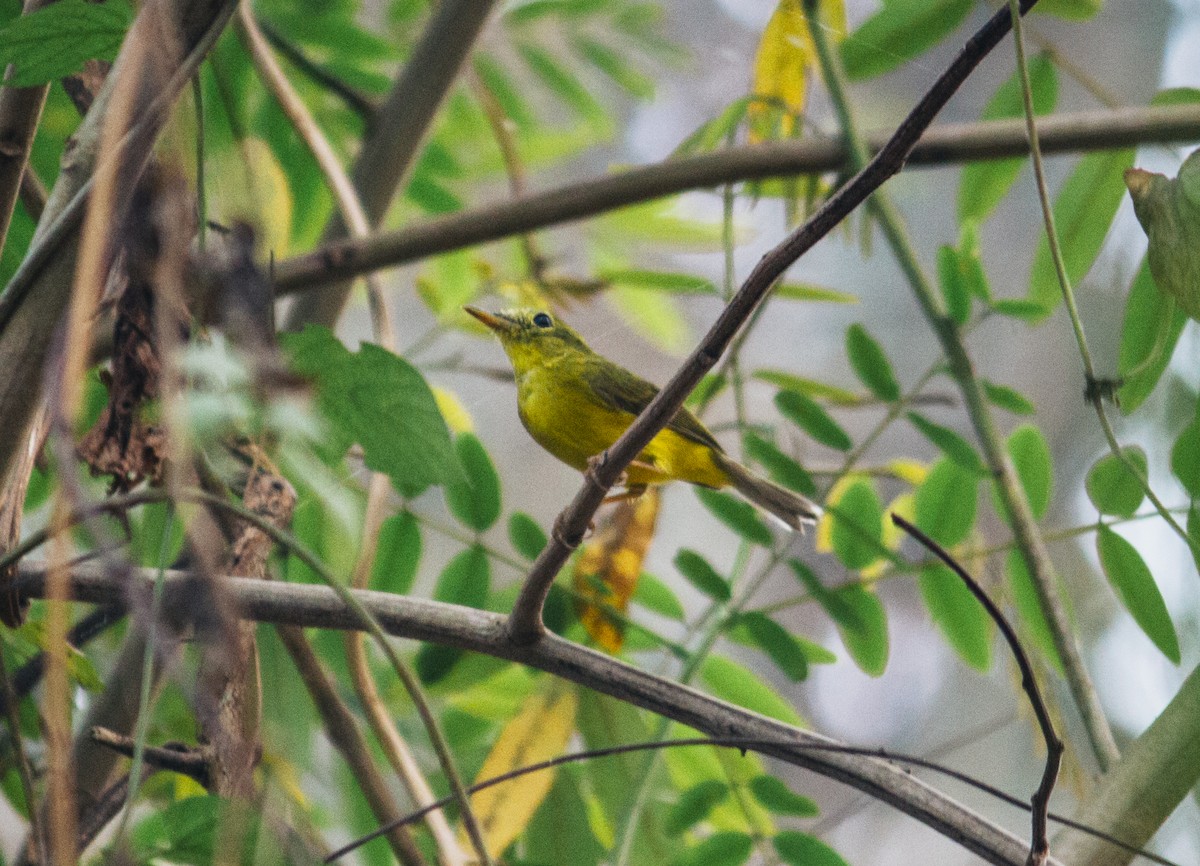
(948, 144)
(177, 758)
(1039, 845)
(525, 624)
(357, 101)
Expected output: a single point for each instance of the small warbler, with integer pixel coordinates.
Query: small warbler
(576, 404)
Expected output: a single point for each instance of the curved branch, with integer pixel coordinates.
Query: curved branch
(948, 144)
(474, 630)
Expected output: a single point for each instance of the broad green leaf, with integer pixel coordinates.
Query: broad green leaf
(1072, 10)
(871, 364)
(55, 41)
(475, 498)
(1008, 398)
(1020, 308)
(806, 292)
(778, 643)
(739, 685)
(382, 402)
(781, 799)
(801, 849)
(948, 442)
(737, 514)
(782, 468)
(1185, 458)
(1083, 210)
(694, 805)
(1112, 488)
(1135, 586)
(954, 288)
(181, 832)
(1031, 456)
(959, 615)
(654, 595)
(696, 569)
(946, 503)
(812, 419)
(857, 525)
(1149, 334)
(1193, 531)
(986, 182)
(525, 535)
(1029, 606)
(858, 614)
(466, 581)
(727, 848)
(809, 387)
(900, 31)
(397, 554)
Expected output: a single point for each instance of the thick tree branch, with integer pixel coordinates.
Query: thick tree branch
(303, 605)
(948, 144)
(525, 623)
(399, 129)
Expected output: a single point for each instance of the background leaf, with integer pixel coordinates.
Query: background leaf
(1135, 586)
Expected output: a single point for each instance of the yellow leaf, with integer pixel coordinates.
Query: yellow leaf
(539, 732)
(823, 543)
(912, 471)
(608, 568)
(250, 185)
(906, 506)
(458, 419)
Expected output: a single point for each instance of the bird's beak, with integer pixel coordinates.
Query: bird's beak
(499, 324)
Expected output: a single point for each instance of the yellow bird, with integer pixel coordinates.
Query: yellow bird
(576, 404)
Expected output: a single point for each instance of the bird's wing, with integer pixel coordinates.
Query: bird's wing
(617, 387)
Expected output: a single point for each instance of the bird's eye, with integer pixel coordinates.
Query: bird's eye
(542, 320)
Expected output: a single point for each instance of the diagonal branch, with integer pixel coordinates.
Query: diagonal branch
(525, 624)
(945, 144)
(308, 605)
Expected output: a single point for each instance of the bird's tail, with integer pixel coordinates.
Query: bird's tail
(793, 509)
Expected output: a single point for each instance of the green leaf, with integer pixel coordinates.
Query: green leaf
(782, 468)
(1031, 457)
(777, 642)
(858, 614)
(809, 387)
(475, 499)
(726, 848)
(907, 28)
(985, 183)
(182, 832)
(948, 442)
(946, 503)
(55, 41)
(694, 805)
(657, 597)
(812, 419)
(737, 684)
(737, 514)
(800, 849)
(1111, 486)
(1029, 607)
(806, 292)
(612, 64)
(696, 569)
(397, 554)
(1193, 531)
(781, 799)
(1083, 211)
(1149, 334)
(960, 616)
(1135, 586)
(1072, 10)
(871, 364)
(858, 525)
(717, 132)
(516, 108)
(525, 535)
(1185, 458)
(664, 281)
(466, 581)
(561, 82)
(379, 400)
(1008, 398)
(954, 287)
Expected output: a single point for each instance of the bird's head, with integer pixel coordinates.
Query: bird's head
(530, 337)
